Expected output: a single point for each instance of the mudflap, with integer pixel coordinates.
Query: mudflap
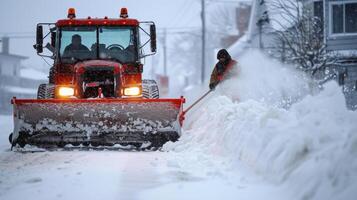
(96, 122)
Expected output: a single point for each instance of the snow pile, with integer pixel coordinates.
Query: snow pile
(280, 129)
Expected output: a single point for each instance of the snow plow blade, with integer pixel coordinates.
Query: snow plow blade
(96, 122)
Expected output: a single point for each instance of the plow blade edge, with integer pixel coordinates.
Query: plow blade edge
(96, 122)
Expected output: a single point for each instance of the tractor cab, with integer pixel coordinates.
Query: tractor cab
(74, 40)
(94, 56)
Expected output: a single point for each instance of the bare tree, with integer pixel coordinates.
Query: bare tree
(300, 35)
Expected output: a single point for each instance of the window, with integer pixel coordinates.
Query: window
(319, 13)
(76, 42)
(82, 43)
(351, 17)
(344, 18)
(319, 10)
(337, 18)
(118, 43)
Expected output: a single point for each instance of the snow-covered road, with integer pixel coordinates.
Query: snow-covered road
(268, 134)
(121, 174)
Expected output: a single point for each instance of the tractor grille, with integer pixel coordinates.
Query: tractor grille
(99, 77)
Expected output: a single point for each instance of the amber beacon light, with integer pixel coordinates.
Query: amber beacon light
(124, 13)
(71, 13)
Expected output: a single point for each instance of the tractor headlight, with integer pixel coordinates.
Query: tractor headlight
(65, 91)
(132, 91)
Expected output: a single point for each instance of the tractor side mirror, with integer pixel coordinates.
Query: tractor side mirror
(153, 38)
(39, 39)
(53, 39)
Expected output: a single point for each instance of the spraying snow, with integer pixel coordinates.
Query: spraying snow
(263, 79)
(270, 119)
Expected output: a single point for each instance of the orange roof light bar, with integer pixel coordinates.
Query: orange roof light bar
(124, 13)
(71, 13)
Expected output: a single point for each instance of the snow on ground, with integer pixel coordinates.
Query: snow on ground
(125, 175)
(268, 134)
(273, 121)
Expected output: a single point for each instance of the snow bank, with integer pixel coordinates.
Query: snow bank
(270, 119)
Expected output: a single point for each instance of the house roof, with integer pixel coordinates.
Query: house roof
(13, 56)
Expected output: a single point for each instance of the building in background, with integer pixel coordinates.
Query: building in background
(9, 63)
(15, 80)
(242, 21)
(339, 20)
(340, 35)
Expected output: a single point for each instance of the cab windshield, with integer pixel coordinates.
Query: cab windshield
(103, 42)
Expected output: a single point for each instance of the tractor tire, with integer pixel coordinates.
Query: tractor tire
(150, 89)
(46, 91)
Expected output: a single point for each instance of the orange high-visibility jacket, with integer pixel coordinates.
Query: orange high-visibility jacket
(216, 78)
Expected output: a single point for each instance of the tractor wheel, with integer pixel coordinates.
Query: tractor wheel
(45, 91)
(76, 144)
(41, 92)
(94, 144)
(150, 89)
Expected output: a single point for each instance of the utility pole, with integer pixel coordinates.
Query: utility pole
(165, 51)
(203, 40)
(264, 19)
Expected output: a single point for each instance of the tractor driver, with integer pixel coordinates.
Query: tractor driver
(76, 49)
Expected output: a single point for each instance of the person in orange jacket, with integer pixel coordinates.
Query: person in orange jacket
(224, 65)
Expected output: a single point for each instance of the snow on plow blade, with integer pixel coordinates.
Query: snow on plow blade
(96, 122)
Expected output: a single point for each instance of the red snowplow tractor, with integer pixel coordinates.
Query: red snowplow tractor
(95, 94)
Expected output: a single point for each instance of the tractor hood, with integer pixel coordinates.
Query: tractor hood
(80, 67)
(132, 68)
